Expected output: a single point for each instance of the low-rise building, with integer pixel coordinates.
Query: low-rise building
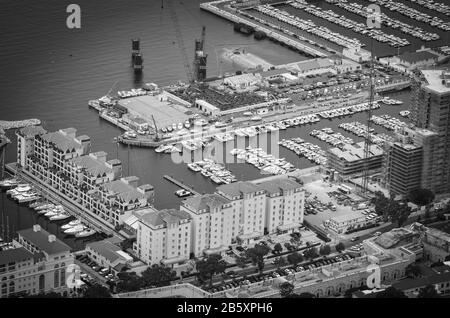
(411, 287)
(107, 254)
(38, 263)
(347, 222)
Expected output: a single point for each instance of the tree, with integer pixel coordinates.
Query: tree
(286, 289)
(339, 247)
(413, 270)
(207, 268)
(158, 275)
(256, 255)
(279, 262)
(128, 281)
(391, 292)
(295, 258)
(311, 253)
(421, 197)
(447, 258)
(96, 291)
(428, 291)
(325, 250)
(277, 248)
(306, 295)
(241, 261)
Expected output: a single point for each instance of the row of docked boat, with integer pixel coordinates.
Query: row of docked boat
(405, 113)
(7, 184)
(305, 149)
(361, 10)
(335, 139)
(360, 130)
(267, 163)
(23, 193)
(134, 92)
(174, 127)
(58, 213)
(414, 14)
(388, 122)
(212, 170)
(347, 23)
(434, 5)
(308, 26)
(348, 110)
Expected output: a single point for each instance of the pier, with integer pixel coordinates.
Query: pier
(180, 184)
(290, 42)
(70, 206)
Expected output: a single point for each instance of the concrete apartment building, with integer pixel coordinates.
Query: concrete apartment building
(430, 109)
(63, 161)
(213, 223)
(248, 203)
(285, 203)
(37, 264)
(409, 160)
(164, 237)
(351, 160)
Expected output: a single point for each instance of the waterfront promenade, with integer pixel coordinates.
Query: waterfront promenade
(71, 207)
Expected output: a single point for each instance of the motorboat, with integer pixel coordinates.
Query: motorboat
(182, 193)
(75, 229)
(44, 207)
(71, 224)
(51, 213)
(60, 217)
(85, 233)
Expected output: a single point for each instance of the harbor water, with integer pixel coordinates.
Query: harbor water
(50, 72)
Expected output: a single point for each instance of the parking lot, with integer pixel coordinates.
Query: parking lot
(93, 272)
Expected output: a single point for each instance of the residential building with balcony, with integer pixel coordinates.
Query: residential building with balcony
(63, 161)
(164, 237)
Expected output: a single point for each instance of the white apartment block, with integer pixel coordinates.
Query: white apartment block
(64, 162)
(163, 237)
(37, 264)
(285, 202)
(213, 223)
(249, 205)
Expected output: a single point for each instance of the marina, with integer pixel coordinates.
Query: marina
(305, 149)
(267, 163)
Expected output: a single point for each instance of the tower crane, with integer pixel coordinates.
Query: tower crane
(180, 41)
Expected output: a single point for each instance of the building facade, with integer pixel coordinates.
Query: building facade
(63, 161)
(38, 263)
(164, 237)
(430, 109)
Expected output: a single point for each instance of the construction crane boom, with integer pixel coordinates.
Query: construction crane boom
(156, 128)
(180, 41)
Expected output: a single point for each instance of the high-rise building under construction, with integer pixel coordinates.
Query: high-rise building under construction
(430, 109)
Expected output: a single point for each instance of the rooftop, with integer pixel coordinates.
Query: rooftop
(279, 185)
(32, 131)
(93, 166)
(107, 250)
(347, 217)
(61, 141)
(352, 153)
(201, 202)
(123, 190)
(409, 283)
(163, 217)
(434, 81)
(14, 255)
(414, 57)
(40, 239)
(393, 237)
(238, 188)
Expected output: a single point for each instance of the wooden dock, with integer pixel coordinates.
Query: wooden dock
(180, 184)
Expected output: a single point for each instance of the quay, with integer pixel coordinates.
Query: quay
(180, 184)
(6, 124)
(71, 207)
(295, 44)
(395, 86)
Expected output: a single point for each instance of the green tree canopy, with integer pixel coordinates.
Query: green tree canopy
(279, 262)
(340, 247)
(96, 291)
(428, 291)
(158, 275)
(325, 250)
(286, 289)
(256, 255)
(207, 268)
(295, 258)
(421, 197)
(391, 292)
(277, 248)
